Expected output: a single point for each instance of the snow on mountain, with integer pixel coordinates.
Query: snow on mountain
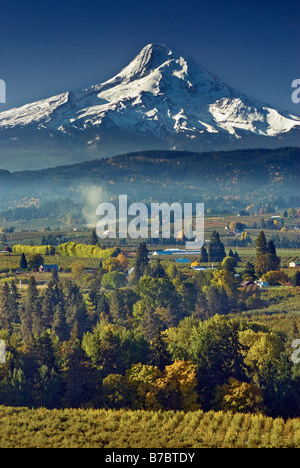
(160, 100)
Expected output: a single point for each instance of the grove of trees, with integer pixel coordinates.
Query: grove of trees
(156, 340)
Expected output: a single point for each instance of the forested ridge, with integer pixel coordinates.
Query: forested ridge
(252, 175)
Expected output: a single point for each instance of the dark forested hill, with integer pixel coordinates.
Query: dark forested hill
(248, 175)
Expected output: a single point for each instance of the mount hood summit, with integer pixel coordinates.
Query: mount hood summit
(160, 101)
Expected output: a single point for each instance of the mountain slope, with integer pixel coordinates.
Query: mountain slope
(161, 100)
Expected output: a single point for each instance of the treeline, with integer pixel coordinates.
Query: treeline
(283, 242)
(163, 342)
(31, 250)
(58, 209)
(72, 249)
(68, 249)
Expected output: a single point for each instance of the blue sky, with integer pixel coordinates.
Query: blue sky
(50, 46)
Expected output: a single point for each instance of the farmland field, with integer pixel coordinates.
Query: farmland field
(25, 428)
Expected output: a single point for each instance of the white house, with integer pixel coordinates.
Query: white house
(262, 284)
(294, 265)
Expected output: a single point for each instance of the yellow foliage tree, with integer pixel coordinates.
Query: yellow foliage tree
(173, 389)
(111, 264)
(275, 277)
(123, 262)
(227, 280)
(181, 379)
(77, 269)
(261, 346)
(240, 397)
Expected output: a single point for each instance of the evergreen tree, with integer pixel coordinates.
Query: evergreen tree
(94, 238)
(216, 248)
(261, 259)
(149, 324)
(5, 319)
(14, 303)
(172, 271)
(266, 256)
(159, 350)
(78, 318)
(35, 261)
(77, 377)
(110, 356)
(142, 259)
(102, 305)
(280, 395)
(155, 270)
(52, 298)
(59, 326)
(15, 389)
(117, 311)
(218, 354)
(54, 278)
(248, 273)
(26, 323)
(48, 388)
(261, 244)
(229, 264)
(31, 316)
(204, 255)
(296, 279)
(76, 310)
(274, 260)
(52, 250)
(237, 257)
(263, 224)
(217, 301)
(23, 262)
(201, 308)
(47, 308)
(141, 262)
(44, 351)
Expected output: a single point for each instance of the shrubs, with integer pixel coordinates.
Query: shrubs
(31, 250)
(71, 249)
(114, 280)
(275, 277)
(240, 397)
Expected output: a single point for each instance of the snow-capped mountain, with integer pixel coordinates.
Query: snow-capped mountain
(161, 100)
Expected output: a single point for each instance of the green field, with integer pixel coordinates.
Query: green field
(25, 428)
